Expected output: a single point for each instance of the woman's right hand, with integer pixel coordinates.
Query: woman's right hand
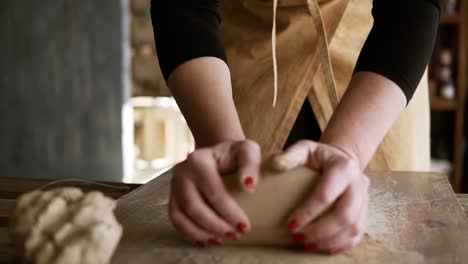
(200, 206)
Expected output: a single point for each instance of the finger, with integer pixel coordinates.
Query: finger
(294, 156)
(243, 156)
(352, 243)
(249, 161)
(335, 180)
(225, 160)
(349, 245)
(343, 214)
(341, 246)
(196, 209)
(186, 227)
(305, 152)
(344, 236)
(214, 191)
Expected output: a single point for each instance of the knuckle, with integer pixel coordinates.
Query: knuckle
(178, 225)
(216, 198)
(193, 157)
(324, 197)
(190, 207)
(197, 156)
(349, 165)
(355, 229)
(346, 218)
(174, 216)
(302, 142)
(306, 213)
(366, 181)
(220, 228)
(246, 158)
(217, 226)
(250, 144)
(326, 244)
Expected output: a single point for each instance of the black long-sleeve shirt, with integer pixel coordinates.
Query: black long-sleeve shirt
(398, 47)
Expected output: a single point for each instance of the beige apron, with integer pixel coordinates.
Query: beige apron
(304, 72)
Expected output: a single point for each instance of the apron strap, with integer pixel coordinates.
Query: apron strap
(322, 48)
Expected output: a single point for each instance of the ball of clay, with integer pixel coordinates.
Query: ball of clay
(66, 226)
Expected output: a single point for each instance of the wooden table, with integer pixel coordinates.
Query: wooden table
(11, 188)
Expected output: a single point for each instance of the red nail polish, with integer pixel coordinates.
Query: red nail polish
(199, 244)
(214, 241)
(336, 251)
(293, 225)
(232, 235)
(242, 228)
(310, 247)
(249, 182)
(299, 237)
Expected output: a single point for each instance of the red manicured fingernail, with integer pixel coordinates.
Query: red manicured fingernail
(299, 237)
(214, 241)
(242, 228)
(249, 182)
(232, 235)
(336, 251)
(200, 244)
(310, 247)
(293, 225)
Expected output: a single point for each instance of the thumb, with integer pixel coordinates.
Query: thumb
(296, 155)
(249, 161)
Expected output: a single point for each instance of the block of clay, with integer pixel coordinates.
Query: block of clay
(277, 194)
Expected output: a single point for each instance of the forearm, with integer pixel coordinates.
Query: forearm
(202, 89)
(368, 109)
(388, 71)
(193, 62)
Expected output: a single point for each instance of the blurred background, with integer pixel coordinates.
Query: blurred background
(82, 96)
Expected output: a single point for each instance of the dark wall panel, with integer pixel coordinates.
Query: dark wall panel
(61, 89)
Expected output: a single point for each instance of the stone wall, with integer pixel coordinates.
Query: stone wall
(61, 90)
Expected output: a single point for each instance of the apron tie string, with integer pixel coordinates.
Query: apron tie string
(324, 53)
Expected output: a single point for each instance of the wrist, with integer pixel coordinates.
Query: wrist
(346, 150)
(214, 139)
(363, 116)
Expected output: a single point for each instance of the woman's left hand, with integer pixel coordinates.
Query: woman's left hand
(333, 217)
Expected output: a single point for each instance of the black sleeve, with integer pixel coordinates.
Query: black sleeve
(184, 30)
(398, 47)
(401, 41)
